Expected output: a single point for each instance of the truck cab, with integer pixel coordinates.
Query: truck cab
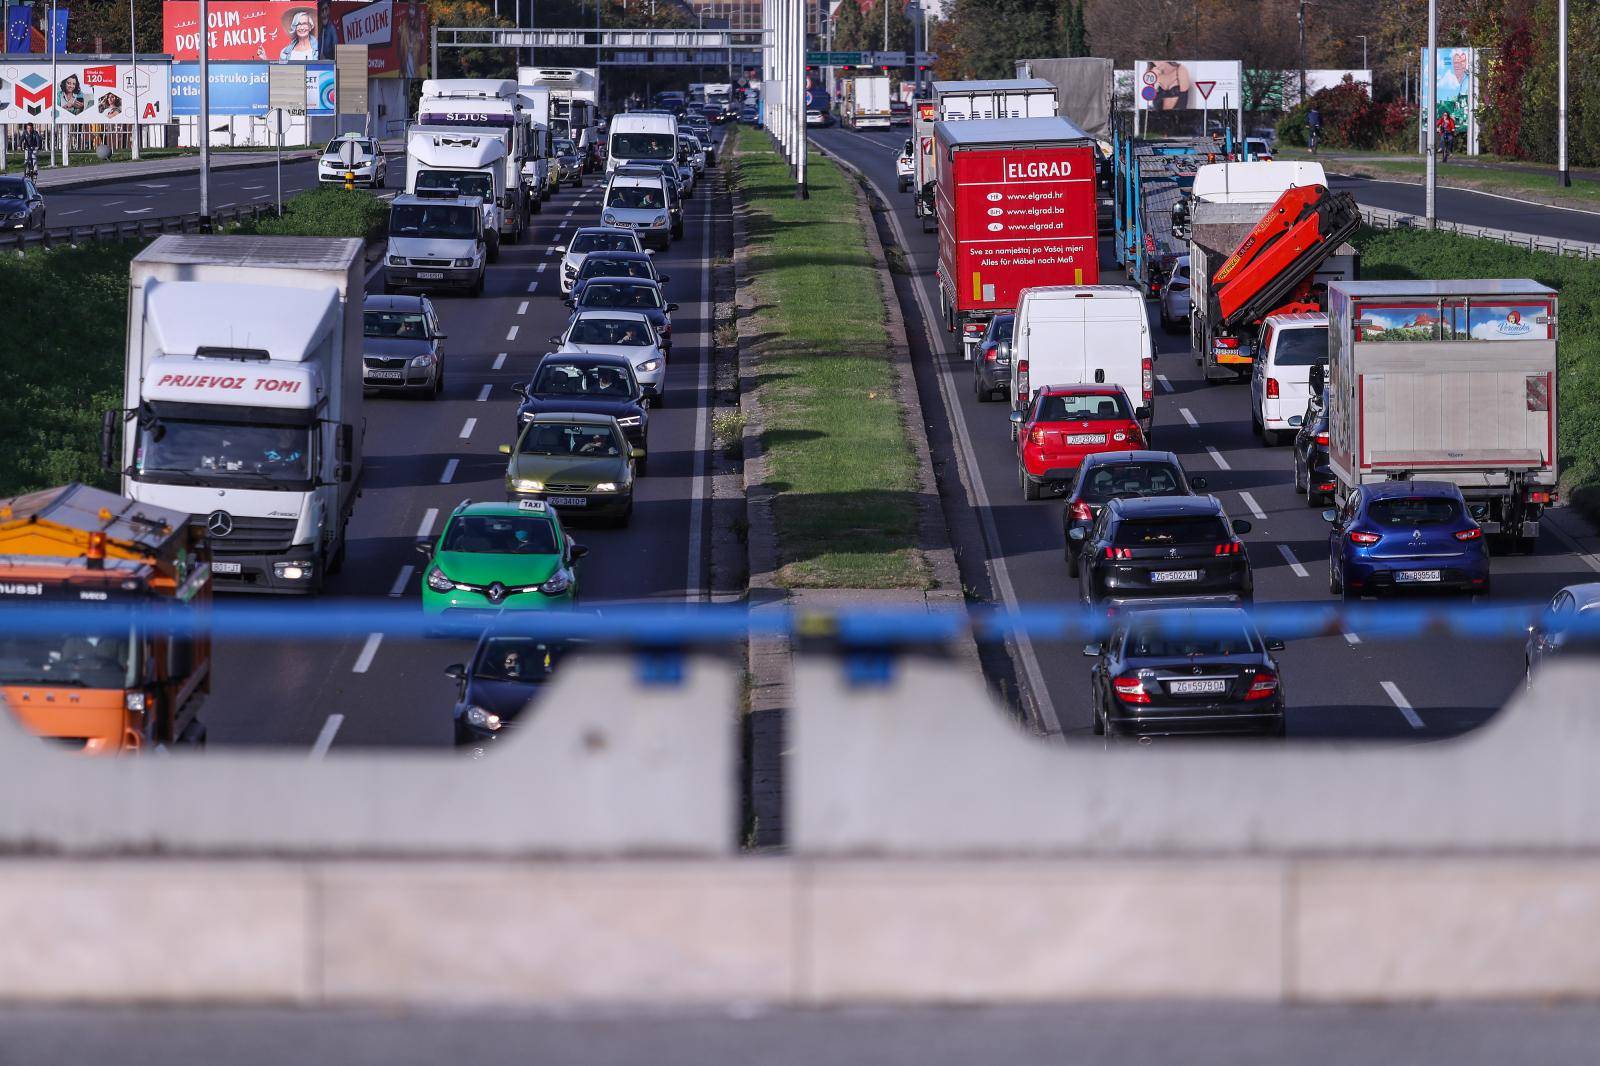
(491, 109)
(451, 163)
(436, 242)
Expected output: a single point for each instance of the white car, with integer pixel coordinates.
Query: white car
(625, 333)
(592, 239)
(696, 150)
(905, 167)
(1280, 378)
(368, 163)
(1175, 298)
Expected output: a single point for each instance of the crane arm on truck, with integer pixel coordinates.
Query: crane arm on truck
(1277, 259)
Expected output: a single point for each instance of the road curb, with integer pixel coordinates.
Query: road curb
(78, 181)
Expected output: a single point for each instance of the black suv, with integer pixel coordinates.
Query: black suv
(1129, 475)
(573, 382)
(1181, 547)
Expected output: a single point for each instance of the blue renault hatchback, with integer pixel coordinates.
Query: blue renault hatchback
(1406, 536)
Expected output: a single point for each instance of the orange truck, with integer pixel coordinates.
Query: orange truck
(100, 692)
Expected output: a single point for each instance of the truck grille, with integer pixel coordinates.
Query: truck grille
(430, 262)
(254, 536)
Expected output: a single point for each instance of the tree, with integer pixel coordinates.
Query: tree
(472, 62)
(849, 29)
(1071, 33)
(103, 26)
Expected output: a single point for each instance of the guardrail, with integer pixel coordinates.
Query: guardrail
(1383, 218)
(131, 229)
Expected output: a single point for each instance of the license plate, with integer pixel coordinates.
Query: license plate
(226, 568)
(1086, 438)
(431, 275)
(1407, 577)
(387, 375)
(568, 501)
(1175, 575)
(1197, 686)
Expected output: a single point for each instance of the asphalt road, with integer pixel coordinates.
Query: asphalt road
(1345, 685)
(1475, 208)
(425, 457)
(156, 196)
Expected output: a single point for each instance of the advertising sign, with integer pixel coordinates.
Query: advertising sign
(1458, 93)
(244, 89)
(1186, 85)
(370, 25)
(83, 93)
(394, 31)
(279, 31)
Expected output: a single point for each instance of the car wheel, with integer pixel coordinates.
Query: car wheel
(1334, 585)
(477, 288)
(677, 232)
(1099, 719)
(494, 250)
(1072, 562)
(438, 385)
(658, 402)
(641, 467)
(1031, 489)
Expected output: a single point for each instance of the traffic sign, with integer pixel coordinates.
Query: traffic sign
(1205, 88)
(834, 59)
(884, 59)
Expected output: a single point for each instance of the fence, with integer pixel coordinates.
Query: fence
(1383, 218)
(131, 229)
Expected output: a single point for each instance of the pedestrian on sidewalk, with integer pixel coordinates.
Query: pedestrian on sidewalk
(1313, 128)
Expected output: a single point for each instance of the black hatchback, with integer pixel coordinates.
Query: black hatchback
(1186, 672)
(1106, 476)
(1313, 473)
(1168, 547)
(506, 674)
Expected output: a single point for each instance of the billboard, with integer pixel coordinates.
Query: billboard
(1457, 71)
(1186, 85)
(242, 89)
(278, 31)
(1279, 90)
(83, 93)
(394, 31)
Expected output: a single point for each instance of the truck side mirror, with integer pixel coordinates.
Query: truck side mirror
(108, 440)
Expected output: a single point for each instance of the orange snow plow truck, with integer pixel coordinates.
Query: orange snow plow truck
(125, 688)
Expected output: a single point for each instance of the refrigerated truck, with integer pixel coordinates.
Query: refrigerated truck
(995, 98)
(488, 108)
(924, 115)
(1448, 381)
(242, 399)
(1017, 207)
(574, 104)
(447, 161)
(866, 103)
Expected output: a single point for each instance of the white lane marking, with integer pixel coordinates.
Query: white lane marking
(449, 471)
(144, 185)
(499, 361)
(1187, 417)
(483, 393)
(1255, 508)
(538, 269)
(466, 430)
(1048, 719)
(369, 650)
(262, 196)
(1351, 638)
(1294, 564)
(512, 334)
(425, 527)
(402, 579)
(247, 188)
(696, 574)
(79, 211)
(114, 203)
(1165, 384)
(137, 210)
(1216, 457)
(568, 214)
(1402, 704)
(533, 286)
(324, 739)
(522, 308)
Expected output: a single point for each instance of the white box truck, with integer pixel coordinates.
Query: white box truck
(866, 103)
(574, 105)
(995, 98)
(242, 399)
(446, 162)
(490, 108)
(1084, 335)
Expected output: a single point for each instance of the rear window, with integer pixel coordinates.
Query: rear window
(1301, 347)
(1003, 326)
(1171, 532)
(1229, 639)
(1129, 480)
(1083, 409)
(1414, 511)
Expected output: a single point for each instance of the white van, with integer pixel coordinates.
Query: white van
(1280, 382)
(642, 137)
(1083, 335)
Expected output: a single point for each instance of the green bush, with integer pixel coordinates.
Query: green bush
(328, 211)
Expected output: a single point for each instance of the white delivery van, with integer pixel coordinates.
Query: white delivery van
(639, 137)
(1280, 381)
(1083, 335)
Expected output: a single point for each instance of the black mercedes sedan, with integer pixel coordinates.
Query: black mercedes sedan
(1166, 547)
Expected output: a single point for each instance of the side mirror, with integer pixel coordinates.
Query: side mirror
(1274, 644)
(1077, 533)
(672, 307)
(559, 249)
(505, 449)
(578, 551)
(108, 440)
(1330, 516)
(1142, 413)
(1017, 418)
(425, 548)
(456, 671)
(635, 453)
(520, 390)
(1199, 483)
(664, 278)
(555, 338)
(441, 336)
(1241, 527)
(1093, 651)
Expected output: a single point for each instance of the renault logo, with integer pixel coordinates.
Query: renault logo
(497, 592)
(219, 523)
(1416, 536)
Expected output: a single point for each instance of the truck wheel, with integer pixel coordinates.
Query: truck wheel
(1031, 489)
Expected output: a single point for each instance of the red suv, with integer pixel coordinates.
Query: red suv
(1063, 424)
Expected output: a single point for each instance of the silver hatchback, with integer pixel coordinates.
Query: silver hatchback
(400, 350)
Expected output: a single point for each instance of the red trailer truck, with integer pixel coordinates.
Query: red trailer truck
(1016, 205)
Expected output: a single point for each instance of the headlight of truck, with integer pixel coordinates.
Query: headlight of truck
(438, 582)
(397, 260)
(425, 359)
(479, 718)
(463, 262)
(526, 484)
(293, 570)
(559, 582)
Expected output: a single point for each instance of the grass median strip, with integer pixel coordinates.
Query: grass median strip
(838, 458)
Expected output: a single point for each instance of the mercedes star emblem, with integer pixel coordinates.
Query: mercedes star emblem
(219, 523)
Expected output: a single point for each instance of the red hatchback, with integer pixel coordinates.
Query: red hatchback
(1063, 424)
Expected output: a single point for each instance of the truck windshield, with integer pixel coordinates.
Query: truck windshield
(636, 198)
(445, 221)
(460, 182)
(74, 660)
(661, 145)
(1301, 347)
(278, 456)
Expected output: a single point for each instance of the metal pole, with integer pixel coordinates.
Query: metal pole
(433, 51)
(1430, 100)
(133, 54)
(1363, 51)
(800, 190)
(280, 160)
(205, 116)
(55, 93)
(1302, 51)
(1561, 100)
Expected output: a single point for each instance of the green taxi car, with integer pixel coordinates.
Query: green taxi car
(497, 557)
(580, 464)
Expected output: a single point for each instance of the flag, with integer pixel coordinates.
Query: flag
(18, 39)
(59, 30)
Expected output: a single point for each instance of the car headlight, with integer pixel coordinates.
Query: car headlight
(425, 359)
(438, 582)
(20, 214)
(479, 718)
(649, 366)
(526, 484)
(462, 262)
(559, 582)
(631, 420)
(609, 219)
(659, 221)
(569, 270)
(606, 486)
(397, 260)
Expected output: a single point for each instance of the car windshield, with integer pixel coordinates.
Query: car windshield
(362, 147)
(407, 325)
(13, 187)
(634, 296)
(487, 534)
(655, 145)
(1414, 511)
(636, 198)
(1218, 639)
(614, 268)
(577, 439)
(1171, 532)
(1302, 347)
(515, 659)
(610, 331)
(449, 222)
(565, 147)
(585, 243)
(226, 451)
(575, 379)
(473, 183)
(1083, 409)
(74, 660)
(1121, 480)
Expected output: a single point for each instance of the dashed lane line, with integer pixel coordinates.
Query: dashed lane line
(499, 361)
(1402, 704)
(425, 527)
(1165, 384)
(511, 335)
(449, 471)
(324, 740)
(402, 580)
(522, 308)
(1255, 508)
(483, 393)
(468, 427)
(1216, 457)
(1188, 417)
(369, 651)
(1294, 564)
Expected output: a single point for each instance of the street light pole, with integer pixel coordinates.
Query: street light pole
(1302, 49)
(55, 93)
(800, 190)
(133, 54)
(205, 116)
(1431, 97)
(1363, 51)
(1561, 101)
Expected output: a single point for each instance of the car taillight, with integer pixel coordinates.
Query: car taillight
(1081, 512)
(1119, 553)
(1322, 439)
(1232, 547)
(1262, 686)
(1470, 534)
(1272, 388)
(991, 352)
(1357, 537)
(1022, 366)
(1538, 496)
(1148, 378)
(1036, 437)
(1130, 690)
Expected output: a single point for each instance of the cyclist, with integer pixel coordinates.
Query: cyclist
(30, 142)
(1447, 135)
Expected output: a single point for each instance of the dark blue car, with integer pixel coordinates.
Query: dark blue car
(506, 674)
(1406, 536)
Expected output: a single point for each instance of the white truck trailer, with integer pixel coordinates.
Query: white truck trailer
(866, 103)
(488, 107)
(995, 98)
(445, 161)
(574, 105)
(242, 399)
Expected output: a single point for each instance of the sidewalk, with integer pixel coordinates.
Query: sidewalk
(1536, 169)
(100, 173)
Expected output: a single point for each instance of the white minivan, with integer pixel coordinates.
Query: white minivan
(1280, 381)
(642, 137)
(1083, 335)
